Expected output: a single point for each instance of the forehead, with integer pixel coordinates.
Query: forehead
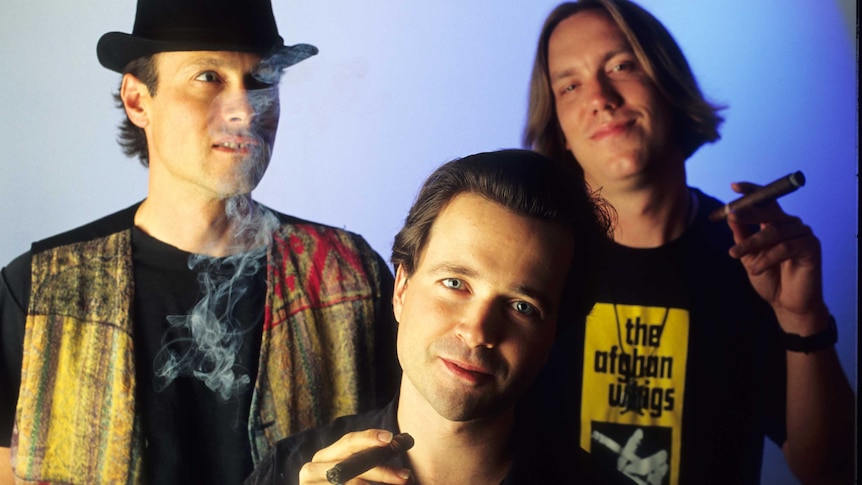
(475, 232)
(592, 30)
(483, 215)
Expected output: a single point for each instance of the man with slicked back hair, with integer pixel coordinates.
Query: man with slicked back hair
(497, 254)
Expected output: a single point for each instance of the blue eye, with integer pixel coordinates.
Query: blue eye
(524, 307)
(453, 283)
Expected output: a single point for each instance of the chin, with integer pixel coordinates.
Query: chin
(469, 408)
(234, 189)
(242, 180)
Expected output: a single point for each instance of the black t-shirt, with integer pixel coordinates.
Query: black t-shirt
(13, 306)
(679, 367)
(193, 434)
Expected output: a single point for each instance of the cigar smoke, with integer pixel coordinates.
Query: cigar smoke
(273, 64)
(211, 333)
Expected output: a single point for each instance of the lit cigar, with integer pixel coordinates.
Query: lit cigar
(763, 195)
(367, 459)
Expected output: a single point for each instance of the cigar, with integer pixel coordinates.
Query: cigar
(764, 195)
(367, 459)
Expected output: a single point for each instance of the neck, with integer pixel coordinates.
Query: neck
(651, 214)
(201, 228)
(455, 452)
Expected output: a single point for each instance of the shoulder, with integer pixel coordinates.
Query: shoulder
(706, 204)
(303, 238)
(716, 236)
(110, 224)
(15, 286)
(705, 201)
(290, 224)
(17, 271)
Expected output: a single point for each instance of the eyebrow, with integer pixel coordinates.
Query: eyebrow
(452, 268)
(204, 62)
(554, 77)
(211, 62)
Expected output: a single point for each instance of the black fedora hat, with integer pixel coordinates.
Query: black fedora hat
(200, 25)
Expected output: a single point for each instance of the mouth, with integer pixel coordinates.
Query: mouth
(236, 145)
(611, 129)
(474, 375)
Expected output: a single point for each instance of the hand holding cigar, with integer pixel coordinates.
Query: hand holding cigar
(763, 195)
(367, 459)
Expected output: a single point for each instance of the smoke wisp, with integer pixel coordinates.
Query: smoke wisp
(204, 343)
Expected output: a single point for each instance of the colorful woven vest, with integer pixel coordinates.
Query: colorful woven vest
(76, 420)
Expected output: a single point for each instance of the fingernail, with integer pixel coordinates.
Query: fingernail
(404, 473)
(384, 436)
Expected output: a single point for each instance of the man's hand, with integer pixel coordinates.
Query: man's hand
(314, 472)
(783, 261)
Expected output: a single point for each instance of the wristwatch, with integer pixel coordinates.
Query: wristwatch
(812, 343)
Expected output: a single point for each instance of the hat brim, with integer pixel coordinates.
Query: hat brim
(116, 49)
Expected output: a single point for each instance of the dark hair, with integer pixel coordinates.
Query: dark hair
(132, 138)
(695, 120)
(528, 184)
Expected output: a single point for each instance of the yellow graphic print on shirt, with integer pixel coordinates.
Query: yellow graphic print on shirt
(633, 389)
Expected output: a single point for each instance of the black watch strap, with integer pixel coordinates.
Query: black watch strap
(812, 343)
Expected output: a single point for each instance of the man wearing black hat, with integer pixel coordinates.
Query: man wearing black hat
(177, 340)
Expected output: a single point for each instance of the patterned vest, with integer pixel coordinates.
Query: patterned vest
(76, 420)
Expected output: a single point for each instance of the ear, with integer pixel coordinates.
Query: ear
(135, 95)
(398, 293)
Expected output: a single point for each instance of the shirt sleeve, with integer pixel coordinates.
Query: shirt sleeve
(14, 294)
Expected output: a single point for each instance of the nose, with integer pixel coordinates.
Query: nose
(236, 107)
(480, 325)
(602, 96)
